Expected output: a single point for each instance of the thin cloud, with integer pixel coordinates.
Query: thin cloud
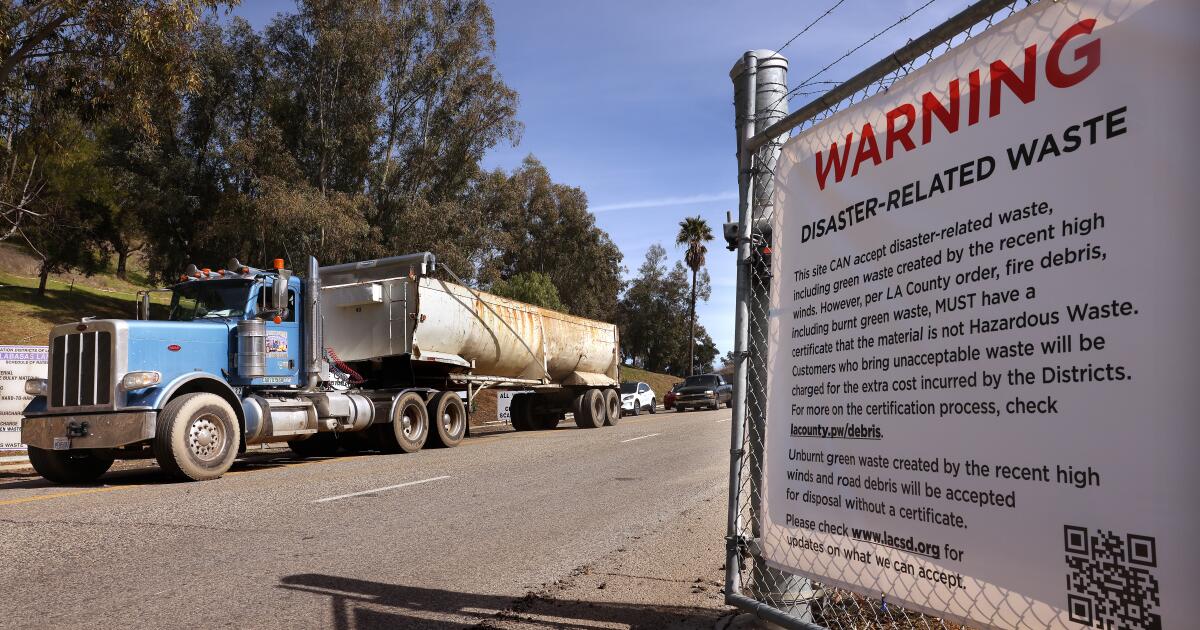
(663, 202)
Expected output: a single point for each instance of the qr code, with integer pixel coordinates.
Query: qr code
(1111, 585)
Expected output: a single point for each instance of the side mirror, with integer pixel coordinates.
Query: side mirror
(143, 307)
(279, 292)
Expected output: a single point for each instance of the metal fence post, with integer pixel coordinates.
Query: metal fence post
(791, 593)
(760, 88)
(743, 75)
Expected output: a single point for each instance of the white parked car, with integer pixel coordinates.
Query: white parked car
(637, 397)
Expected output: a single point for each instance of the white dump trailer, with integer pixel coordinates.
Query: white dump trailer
(397, 324)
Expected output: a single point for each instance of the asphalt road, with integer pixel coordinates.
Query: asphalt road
(504, 531)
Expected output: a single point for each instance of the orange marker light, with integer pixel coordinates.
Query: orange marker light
(245, 270)
(278, 263)
(277, 319)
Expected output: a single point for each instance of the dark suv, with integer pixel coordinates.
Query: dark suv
(704, 390)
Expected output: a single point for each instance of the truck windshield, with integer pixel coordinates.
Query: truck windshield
(212, 299)
(706, 380)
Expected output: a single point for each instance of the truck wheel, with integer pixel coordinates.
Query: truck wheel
(548, 420)
(81, 466)
(317, 445)
(518, 412)
(612, 407)
(448, 415)
(197, 437)
(409, 427)
(591, 410)
(577, 407)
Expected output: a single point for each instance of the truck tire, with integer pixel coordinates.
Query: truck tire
(591, 410)
(409, 428)
(612, 407)
(548, 420)
(317, 445)
(448, 417)
(197, 437)
(577, 407)
(518, 412)
(81, 466)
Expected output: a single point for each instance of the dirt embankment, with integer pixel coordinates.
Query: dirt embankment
(485, 408)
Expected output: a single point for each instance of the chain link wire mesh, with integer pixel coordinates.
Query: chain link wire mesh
(807, 603)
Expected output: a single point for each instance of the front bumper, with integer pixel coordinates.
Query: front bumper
(91, 430)
(695, 399)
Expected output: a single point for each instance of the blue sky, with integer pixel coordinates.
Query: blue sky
(632, 102)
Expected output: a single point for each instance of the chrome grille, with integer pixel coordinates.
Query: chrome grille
(81, 369)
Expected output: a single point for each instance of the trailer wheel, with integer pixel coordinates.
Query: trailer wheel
(318, 445)
(612, 407)
(197, 437)
(79, 466)
(577, 407)
(409, 427)
(548, 420)
(518, 412)
(448, 415)
(591, 410)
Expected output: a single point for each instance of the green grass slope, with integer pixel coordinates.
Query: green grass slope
(660, 383)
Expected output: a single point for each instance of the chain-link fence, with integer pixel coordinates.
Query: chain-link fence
(761, 100)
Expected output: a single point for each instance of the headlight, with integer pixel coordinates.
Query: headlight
(708, 392)
(140, 380)
(37, 386)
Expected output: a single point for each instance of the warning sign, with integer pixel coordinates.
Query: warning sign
(983, 328)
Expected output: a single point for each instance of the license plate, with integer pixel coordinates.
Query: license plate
(62, 443)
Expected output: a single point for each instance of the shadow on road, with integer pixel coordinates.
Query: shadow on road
(361, 604)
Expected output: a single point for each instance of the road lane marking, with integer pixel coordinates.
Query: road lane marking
(61, 495)
(232, 473)
(399, 485)
(724, 419)
(640, 438)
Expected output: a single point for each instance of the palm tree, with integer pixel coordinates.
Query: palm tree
(693, 234)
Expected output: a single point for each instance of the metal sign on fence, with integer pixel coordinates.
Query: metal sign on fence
(978, 337)
(17, 363)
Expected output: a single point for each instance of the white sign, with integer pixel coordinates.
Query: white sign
(17, 363)
(503, 402)
(983, 329)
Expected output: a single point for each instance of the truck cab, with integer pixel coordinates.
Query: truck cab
(110, 381)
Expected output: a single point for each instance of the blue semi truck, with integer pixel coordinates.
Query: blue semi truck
(368, 355)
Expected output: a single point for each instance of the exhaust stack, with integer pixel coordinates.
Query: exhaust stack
(316, 369)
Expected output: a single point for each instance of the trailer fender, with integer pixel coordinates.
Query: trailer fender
(426, 392)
